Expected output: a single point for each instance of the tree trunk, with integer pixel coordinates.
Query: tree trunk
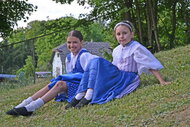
(152, 23)
(128, 4)
(139, 22)
(172, 37)
(186, 17)
(149, 33)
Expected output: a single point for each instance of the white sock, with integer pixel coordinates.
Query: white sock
(25, 102)
(89, 94)
(79, 96)
(34, 105)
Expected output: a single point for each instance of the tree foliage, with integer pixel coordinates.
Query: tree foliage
(12, 11)
(159, 24)
(39, 38)
(59, 29)
(27, 70)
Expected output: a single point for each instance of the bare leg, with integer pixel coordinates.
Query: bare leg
(34, 97)
(40, 93)
(60, 86)
(40, 98)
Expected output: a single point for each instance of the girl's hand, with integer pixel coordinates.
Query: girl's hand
(165, 83)
(157, 74)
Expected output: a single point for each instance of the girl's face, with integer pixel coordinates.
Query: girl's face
(74, 45)
(123, 34)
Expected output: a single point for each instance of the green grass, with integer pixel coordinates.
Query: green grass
(151, 105)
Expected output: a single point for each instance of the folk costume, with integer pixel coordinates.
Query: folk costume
(75, 68)
(121, 77)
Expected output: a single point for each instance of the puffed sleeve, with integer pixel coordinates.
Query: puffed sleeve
(115, 55)
(85, 58)
(67, 65)
(146, 60)
(114, 58)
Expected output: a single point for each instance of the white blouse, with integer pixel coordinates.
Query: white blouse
(84, 60)
(134, 57)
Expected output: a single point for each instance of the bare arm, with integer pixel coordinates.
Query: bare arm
(158, 76)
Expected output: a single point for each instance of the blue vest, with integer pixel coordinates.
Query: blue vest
(78, 67)
(73, 79)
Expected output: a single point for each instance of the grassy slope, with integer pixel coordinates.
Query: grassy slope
(150, 105)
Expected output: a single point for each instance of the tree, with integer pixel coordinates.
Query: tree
(12, 11)
(159, 24)
(59, 29)
(151, 22)
(185, 13)
(13, 56)
(27, 70)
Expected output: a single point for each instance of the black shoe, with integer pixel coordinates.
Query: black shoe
(73, 103)
(22, 111)
(12, 112)
(82, 103)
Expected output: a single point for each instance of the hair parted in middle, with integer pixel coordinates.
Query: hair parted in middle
(76, 33)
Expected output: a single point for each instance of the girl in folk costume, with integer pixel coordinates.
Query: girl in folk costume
(103, 81)
(66, 84)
